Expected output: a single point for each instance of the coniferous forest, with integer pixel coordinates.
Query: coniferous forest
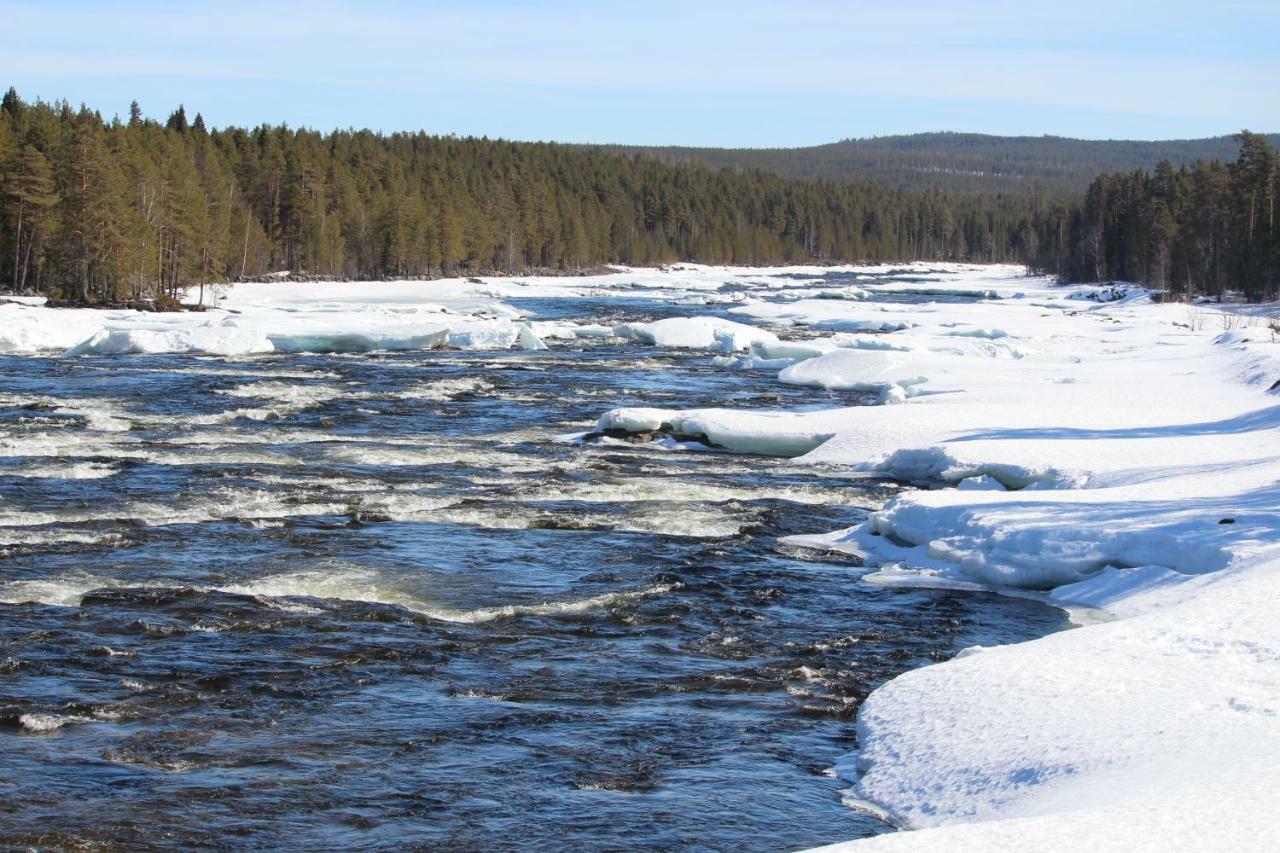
(1205, 229)
(95, 210)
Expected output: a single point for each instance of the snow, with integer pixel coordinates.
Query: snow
(706, 333)
(830, 315)
(220, 339)
(763, 433)
(892, 374)
(247, 319)
(547, 330)
(1134, 734)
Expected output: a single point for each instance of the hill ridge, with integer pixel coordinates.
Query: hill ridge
(955, 161)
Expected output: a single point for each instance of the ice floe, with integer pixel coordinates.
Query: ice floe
(705, 333)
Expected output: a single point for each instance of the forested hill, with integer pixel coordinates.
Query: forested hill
(957, 162)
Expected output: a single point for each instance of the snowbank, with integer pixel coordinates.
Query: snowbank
(831, 315)
(220, 339)
(1154, 732)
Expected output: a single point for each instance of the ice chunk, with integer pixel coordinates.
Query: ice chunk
(705, 333)
(219, 339)
(763, 433)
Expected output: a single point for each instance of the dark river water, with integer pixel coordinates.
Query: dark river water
(371, 601)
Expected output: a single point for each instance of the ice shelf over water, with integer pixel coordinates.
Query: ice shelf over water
(1114, 455)
(255, 319)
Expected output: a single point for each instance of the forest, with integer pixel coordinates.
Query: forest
(1205, 229)
(98, 211)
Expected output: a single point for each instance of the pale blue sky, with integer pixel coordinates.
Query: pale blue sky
(698, 73)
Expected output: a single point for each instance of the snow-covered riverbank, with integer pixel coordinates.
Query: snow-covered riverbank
(1119, 456)
(1124, 457)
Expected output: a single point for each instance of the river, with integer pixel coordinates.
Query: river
(375, 600)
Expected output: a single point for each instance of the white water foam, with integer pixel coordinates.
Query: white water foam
(365, 585)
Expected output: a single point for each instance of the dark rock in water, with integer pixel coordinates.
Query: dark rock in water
(1227, 521)
(646, 436)
(633, 437)
(551, 522)
(362, 517)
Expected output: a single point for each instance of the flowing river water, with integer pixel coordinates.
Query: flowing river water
(365, 601)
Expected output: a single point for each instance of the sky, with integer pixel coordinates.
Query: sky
(694, 72)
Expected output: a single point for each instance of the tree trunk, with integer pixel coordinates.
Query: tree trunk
(244, 260)
(204, 263)
(26, 263)
(84, 269)
(17, 243)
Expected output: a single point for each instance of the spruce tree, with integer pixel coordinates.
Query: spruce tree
(178, 120)
(12, 104)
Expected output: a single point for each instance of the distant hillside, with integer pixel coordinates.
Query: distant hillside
(968, 162)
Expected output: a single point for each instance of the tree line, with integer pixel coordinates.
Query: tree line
(1205, 229)
(95, 210)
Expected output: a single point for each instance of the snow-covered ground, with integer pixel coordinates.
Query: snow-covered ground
(1119, 457)
(1123, 458)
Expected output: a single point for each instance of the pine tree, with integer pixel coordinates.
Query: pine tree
(92, 215)
(31, 194)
